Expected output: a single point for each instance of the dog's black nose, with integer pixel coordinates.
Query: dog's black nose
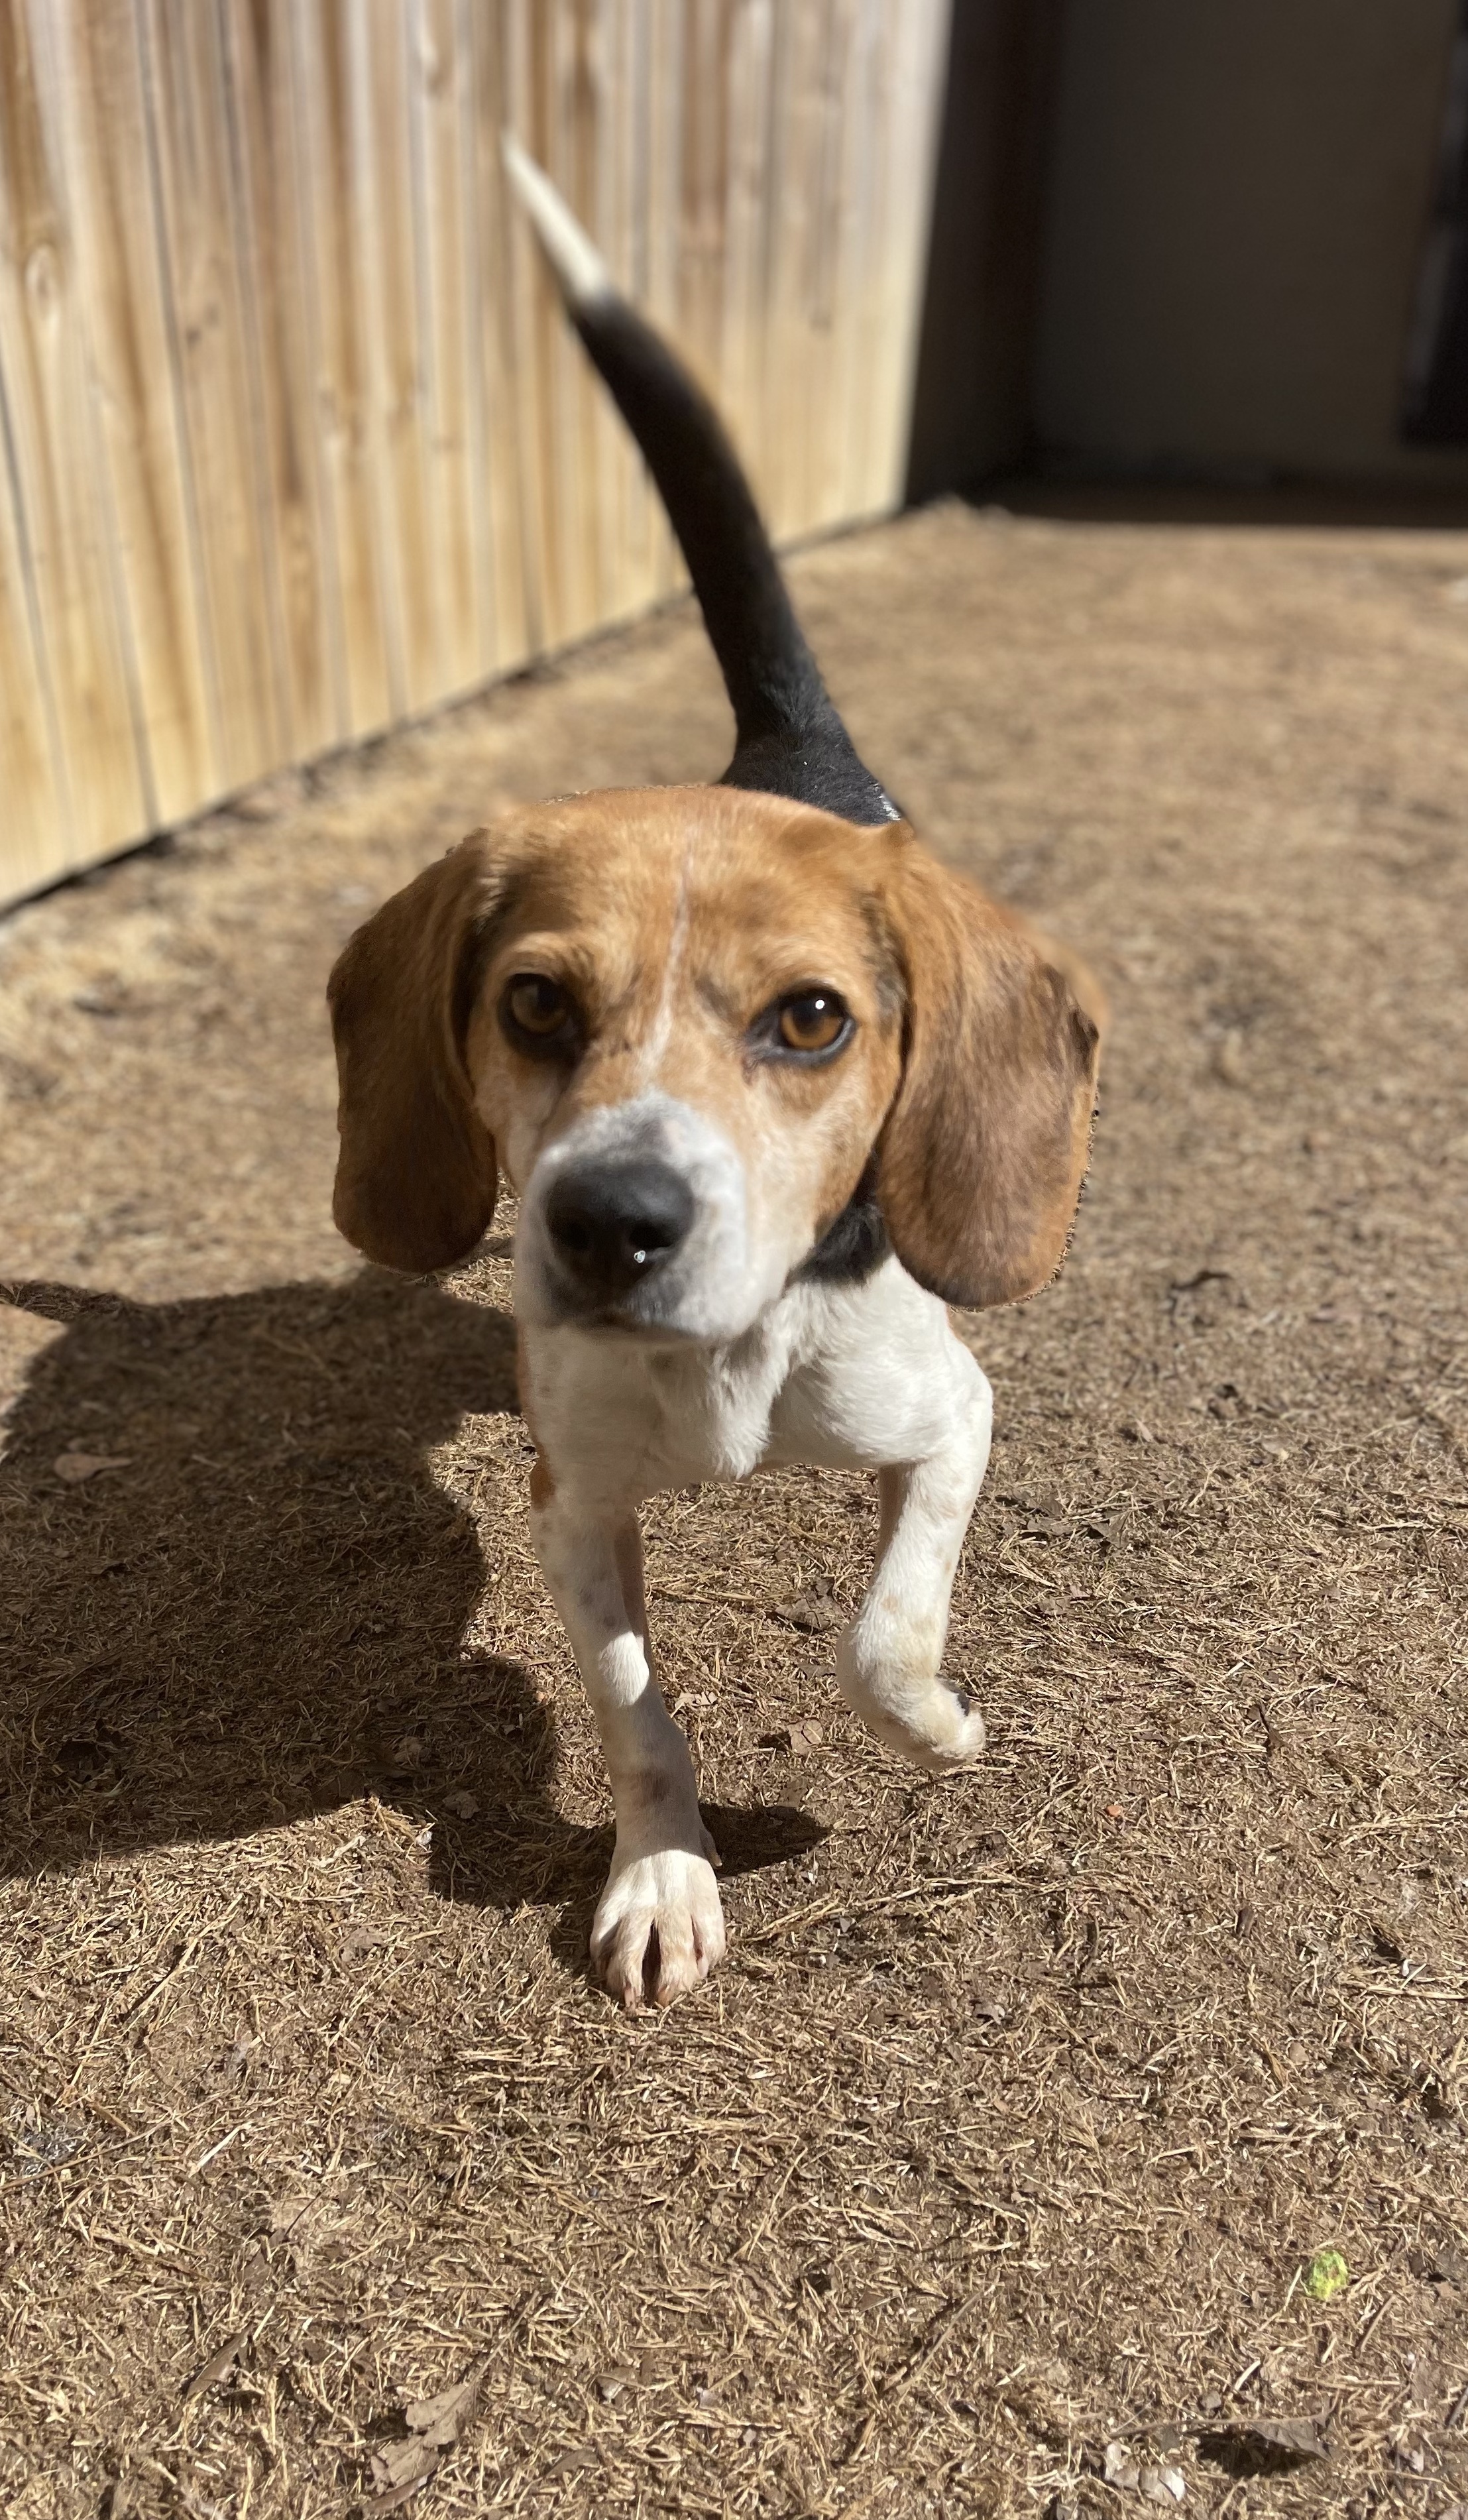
(612, 1224)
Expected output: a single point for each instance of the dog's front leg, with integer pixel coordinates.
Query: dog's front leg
(888, 1659)
(658, 1927)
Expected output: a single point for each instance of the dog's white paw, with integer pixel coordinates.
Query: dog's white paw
(658, 1927)
(952, 1733)
(944, 1732)
(917, 1715)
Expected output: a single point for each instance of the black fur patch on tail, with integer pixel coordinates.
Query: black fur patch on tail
(790, 739)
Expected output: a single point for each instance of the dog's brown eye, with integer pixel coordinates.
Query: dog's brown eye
(814, 1022)
(538, 1005)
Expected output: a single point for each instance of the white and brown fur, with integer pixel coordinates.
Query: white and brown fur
(734, 1249)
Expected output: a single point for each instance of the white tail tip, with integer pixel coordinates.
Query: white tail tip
(568, 249)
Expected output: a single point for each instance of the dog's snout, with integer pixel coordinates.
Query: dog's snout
(612, 1224)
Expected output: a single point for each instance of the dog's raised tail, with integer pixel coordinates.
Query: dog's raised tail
(790, 740)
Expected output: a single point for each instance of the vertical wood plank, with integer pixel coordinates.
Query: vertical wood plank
(438, 72)
(647, 557)
(909, 84)
(570, 110)
(268, 212)
(612, 201)
(794, 156)
(101, 113)
(218, 383)
(528, 32)
(858, 143)
(58, 528)
(388, 291)
(34, 825)
(871, 320)
(742, 365)
(546, 372)
(498, 282)
(661, 210)
(356, 604)
(610, 198)
(703, 186)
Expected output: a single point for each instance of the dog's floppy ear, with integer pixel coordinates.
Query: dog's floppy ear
(981, 1154)
(415, 1177)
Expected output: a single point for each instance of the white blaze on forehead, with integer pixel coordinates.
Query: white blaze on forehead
(660, 1031)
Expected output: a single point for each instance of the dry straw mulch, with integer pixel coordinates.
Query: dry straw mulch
(996, 2171)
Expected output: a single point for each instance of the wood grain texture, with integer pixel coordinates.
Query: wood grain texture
(295, 440)
(35, 800)
(271, 177)
(104, 786)
(101, 111)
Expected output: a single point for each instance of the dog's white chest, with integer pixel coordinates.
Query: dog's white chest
(634, 1419)
(845, 1378)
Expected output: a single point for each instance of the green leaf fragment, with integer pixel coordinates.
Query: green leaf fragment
(1326, 2275)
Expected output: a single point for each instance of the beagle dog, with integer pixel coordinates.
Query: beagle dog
(775, 1087)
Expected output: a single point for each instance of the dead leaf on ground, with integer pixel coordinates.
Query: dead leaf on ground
(571, 2463)
(438, 2419)
(395, 2464)
(1290, 2436)
(400, 2467)
(218, 2367)
(814, 1614)
(73, 1468)
(228, 2069)
(362, 1939)
(794, 1737)
(308, 2231)
(1119, 2467)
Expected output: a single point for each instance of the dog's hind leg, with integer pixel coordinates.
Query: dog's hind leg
(658, 1927)
(888, 1659)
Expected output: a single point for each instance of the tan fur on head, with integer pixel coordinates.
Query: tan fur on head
(416, 1179)
(675, 918)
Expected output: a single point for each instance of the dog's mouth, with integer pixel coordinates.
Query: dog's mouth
(621, 1321)
(680, 1307)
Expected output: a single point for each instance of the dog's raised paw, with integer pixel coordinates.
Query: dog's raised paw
(946, 1732)
(659, 1928)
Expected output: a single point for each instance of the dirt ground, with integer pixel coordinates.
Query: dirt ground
(1003, 2155)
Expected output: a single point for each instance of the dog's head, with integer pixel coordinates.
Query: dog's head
(685, 1021)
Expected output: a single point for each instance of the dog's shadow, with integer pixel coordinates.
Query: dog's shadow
(258, 1610)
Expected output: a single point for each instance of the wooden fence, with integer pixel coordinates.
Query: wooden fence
(294, 440)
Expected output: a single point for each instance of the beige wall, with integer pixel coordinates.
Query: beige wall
(1238, 196)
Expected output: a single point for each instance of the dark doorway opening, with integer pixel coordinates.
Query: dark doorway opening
(1435, 404)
